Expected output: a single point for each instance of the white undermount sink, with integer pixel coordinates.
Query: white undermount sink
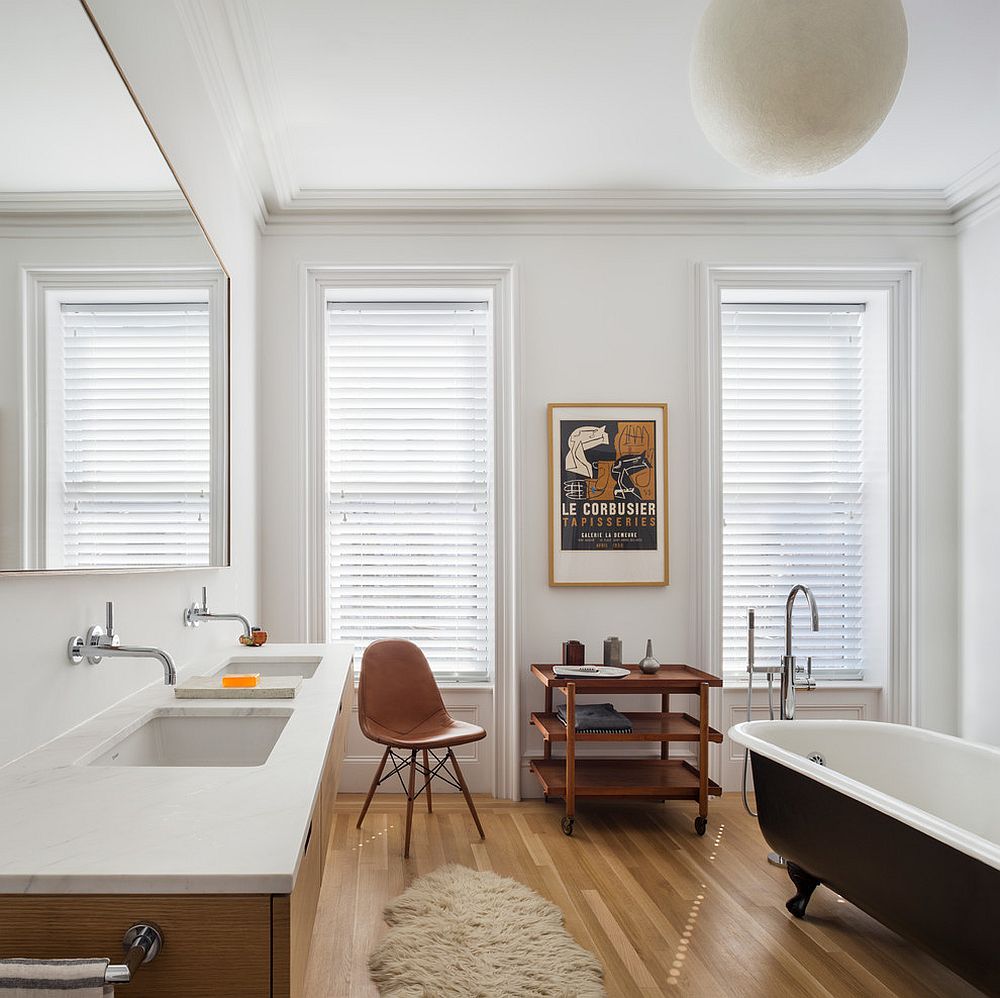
(175, 737)
(304, 666)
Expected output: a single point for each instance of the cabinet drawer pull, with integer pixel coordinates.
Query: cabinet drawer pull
(309, 833)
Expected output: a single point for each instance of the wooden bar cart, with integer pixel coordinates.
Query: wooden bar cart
(646, 777)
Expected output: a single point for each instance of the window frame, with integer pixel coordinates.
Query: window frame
(43, 294)
(502, 281)
(418, 282)
(870, 339)
(893, 287)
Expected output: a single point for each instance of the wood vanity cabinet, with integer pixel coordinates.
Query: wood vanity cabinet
(293, 914)
(335, 758)
(215, 945)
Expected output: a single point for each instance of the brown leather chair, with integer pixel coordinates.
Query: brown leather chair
(400, 707)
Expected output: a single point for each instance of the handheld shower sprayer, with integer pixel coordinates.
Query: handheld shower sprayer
(751, 641)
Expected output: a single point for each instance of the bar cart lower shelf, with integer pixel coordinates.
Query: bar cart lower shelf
(571, 776)
(660, 779)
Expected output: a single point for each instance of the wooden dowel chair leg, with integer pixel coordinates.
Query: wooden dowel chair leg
(374, 787)
(427, 780)
(465, 791)
(409, 802)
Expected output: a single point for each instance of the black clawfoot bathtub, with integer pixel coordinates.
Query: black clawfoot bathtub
(903, 823)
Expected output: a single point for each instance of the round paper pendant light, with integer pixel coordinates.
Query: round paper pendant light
(788, 88)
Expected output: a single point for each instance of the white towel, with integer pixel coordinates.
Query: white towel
(54, 979)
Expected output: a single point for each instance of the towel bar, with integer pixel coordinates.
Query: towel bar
(141, 942)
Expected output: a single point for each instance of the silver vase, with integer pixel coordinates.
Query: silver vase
(649, 665)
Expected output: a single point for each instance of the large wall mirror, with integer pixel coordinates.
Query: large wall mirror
(114, 383)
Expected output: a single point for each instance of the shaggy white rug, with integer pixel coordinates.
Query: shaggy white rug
(459, 933)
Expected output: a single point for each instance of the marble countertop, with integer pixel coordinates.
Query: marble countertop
(71, 828)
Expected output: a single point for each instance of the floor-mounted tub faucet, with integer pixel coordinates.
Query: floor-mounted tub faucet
(102, 642)
(793, 677)
(195, 614)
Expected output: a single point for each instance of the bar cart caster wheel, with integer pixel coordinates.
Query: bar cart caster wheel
(700, 824)
(567, 825)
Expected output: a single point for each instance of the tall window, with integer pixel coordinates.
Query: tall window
(410, 479)
(128, 428)
(794, 479)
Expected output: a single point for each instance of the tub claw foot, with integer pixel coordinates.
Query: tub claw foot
(805, 884)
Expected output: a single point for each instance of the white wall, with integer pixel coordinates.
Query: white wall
(606, 316)
(979, 255)
(42, 693)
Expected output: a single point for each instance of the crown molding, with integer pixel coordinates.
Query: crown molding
(928, 203)
(196, 17)
(249, 34)
(21, 225)
(159, 214)
(512, 211)
(976, 194)
(94, 203)
(229, 43)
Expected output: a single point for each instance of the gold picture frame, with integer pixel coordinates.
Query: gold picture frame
(608, 494)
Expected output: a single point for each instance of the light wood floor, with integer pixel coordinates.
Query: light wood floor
(666, 912)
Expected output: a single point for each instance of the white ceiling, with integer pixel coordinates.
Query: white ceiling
(67, 120)
(460, 95)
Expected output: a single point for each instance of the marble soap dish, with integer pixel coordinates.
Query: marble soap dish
(211, 688)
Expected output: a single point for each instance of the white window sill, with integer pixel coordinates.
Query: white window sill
(445, 687)
(821, 684)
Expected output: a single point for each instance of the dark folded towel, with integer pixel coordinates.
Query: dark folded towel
(597, 719)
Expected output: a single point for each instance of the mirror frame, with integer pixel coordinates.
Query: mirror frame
(225, 379)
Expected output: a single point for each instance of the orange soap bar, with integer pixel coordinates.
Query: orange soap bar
(241, 681)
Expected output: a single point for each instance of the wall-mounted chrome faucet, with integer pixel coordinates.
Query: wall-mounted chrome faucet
(195, 614)
(102, 642)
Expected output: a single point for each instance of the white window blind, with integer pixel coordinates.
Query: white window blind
(793, 486)
(409, 455)
(129, 454)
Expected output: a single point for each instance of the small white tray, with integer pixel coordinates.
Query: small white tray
(589, 671)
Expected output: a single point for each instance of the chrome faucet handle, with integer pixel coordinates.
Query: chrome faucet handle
(809, 683)
(194, 612)
(96, 639)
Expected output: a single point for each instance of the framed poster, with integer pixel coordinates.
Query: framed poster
(608, 494)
